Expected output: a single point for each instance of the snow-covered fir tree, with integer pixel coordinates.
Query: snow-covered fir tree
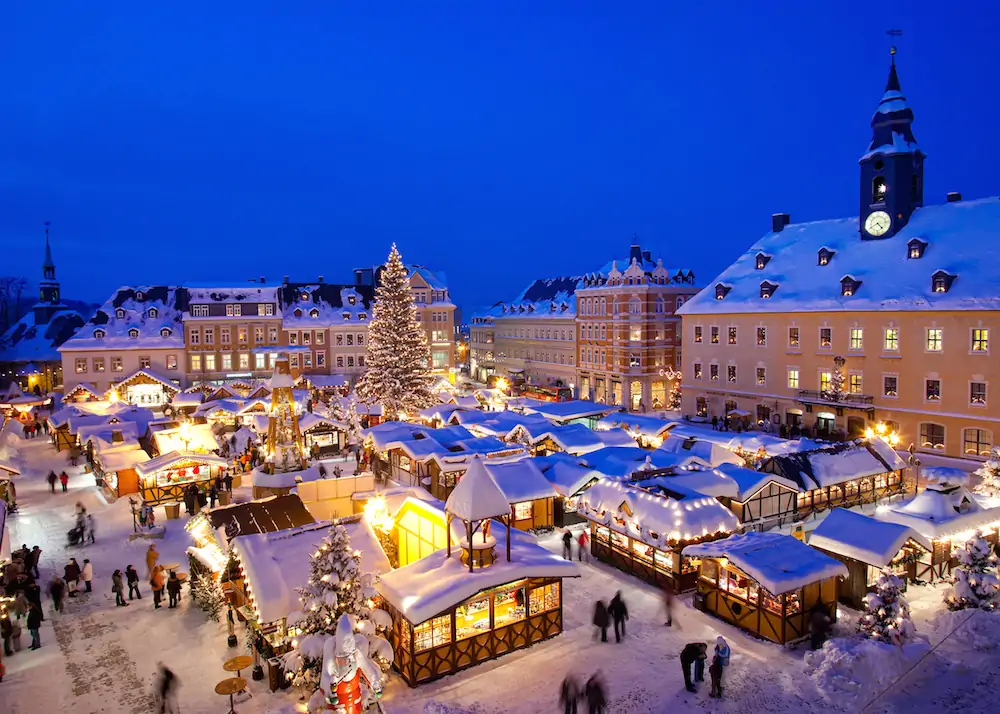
(989, 473)
(887, 614)
(353, 421)
(835, 389)
(398, 361)
(674, 398)
(976, 582)
(207, 592)
(336, 586)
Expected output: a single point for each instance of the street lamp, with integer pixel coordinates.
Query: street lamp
(184, 432)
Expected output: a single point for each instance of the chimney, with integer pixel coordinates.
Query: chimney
(320, 279)
(262, 280)
(954, 197)
(647, 256)
(779, 221)
(635, 254)
(284, 281)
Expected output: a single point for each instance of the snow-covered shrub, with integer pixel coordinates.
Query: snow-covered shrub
(209, 596)
(989, 473)
(976, 582)
(849, 671)
(887, 614)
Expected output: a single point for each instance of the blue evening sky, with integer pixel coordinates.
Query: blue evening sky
(496, 141)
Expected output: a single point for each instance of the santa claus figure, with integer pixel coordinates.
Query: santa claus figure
(348, 674)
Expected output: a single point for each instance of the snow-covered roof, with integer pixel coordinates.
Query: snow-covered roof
(326, 381)
(748, 440)
(709, 452)
(439, 411)
(544, 298)
(436, 583)
(477, 496)
(836, 463)
(855, 535)
(567, 474)
(233, 295)
(311, 421)
(704, 480)
(104, 434)
(780, 563)
(636, 423)
(520, 480)
(466, 402)
(940, 511)
(749, 481)
(173, 458)
(187, 399)
(618, 462)
(121, 459)
(286, 479)
(310, 305)
(497, 423)
(569, 410)
(670, 516)
(28, 340)
(198, 437)
(155, 312)
(958, 235)
(169, 382)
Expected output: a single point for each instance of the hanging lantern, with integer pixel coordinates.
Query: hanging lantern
(196, 470)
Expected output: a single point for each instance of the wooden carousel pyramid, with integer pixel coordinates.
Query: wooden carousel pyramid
(475, 501)
(285, 451)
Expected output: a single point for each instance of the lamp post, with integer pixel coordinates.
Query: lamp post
(135, 514)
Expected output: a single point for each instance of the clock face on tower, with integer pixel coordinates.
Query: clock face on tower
(878, 223)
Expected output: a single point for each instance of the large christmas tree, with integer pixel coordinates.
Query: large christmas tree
(989, 473)
(976, 582)
(336, 586)
(398, 375)
(887, 614)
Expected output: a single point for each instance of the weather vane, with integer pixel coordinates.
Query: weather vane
(894, 34)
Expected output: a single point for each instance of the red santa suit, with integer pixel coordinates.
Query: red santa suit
(343, 669)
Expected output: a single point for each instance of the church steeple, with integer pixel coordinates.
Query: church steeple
(48, 289)
(48, 267)
(892, 170)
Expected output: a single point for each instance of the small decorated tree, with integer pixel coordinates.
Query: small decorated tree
(835, 390)
(887, 614)
(353, 422)
(674, 398)
(976, 582)
(399, 359)
(208, 594)
(989, 473)
(336, 586)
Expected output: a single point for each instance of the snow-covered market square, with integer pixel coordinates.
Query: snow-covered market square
(472, 551)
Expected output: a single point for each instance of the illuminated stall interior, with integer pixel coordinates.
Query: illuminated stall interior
(164, 478)
(766, 583)
(146, 388)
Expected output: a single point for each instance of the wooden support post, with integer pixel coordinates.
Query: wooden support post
(510, 517)
(447, 527)
(468, 537)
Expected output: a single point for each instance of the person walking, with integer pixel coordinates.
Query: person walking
(71, 574)
(567, 545)
(692, 654)
(723, 652)
(52, 481)
(91, 531)
(6, 630)
(715, 672)
(213, 495)
(619, 614)
(64, 480)
(819, 626)
(173, 589)
(157, 583)
(20, 605)
(88, 575)
(166, 686)
(31, 564)
(35, 624)
(117, 587)
(569, 694)
(601, 620)
(57, 589)
(133, 582)
(668, 603)
(15, 635)
(583, 542)
(228, 480)
(594, 692)
(152, 558)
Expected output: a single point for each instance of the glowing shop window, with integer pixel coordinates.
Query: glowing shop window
(522, 511)
(432, 633)
(544, 598)
(508, 606)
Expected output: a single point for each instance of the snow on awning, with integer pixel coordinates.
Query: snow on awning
(855, 535)
(172, 459)
(780, 563)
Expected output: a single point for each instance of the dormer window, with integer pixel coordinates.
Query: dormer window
(166, 332)
(849, 286)
(362, 316)
(153, 312)
(824, 256)
(99, 334)
(915, 249)
(304, 296)
(762, 261)
(314, 313)
(347, 315)
(297, 312)
(941, 281)
(767, 289)
(120, 313)
(140, 295)
(721, 291)
(133, 333)
(351, 299)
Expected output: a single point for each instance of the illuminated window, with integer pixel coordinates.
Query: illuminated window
(171, 361)
(522, 511)
(81, 365)
(977, 394)
(732, 335)
(935, 339)
(857, 338)
(227, 361)
(210, 363)
(793, 378)
(731, 373)
(891, 341)
(195, 363)
(697, 334)
(977, 442)
(715, 336)
(762, 336)
(793, 337)
(117, 365)
(854, 383)
(436, 632)
(980, 340)
(544, 598)
(932, 390)
(713, 372)
(890, 386)
(824, 381)
(260, 361)
(931, 435)
(697, 370)
(826, 337)
(761, 376)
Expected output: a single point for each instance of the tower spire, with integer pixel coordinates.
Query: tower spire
(48, 267)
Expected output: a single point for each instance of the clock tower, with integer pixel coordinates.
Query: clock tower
(48, 289)
(892, 170)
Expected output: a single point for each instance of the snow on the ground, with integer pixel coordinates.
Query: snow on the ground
(99, 658)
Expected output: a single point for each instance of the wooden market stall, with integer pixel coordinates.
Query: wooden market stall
(493, 592)
(945, 514)
(766, 583)
(146, 388)
(529, 493)
(569, 477)
(646, 533)
(82, 392)
(323, 437)
(116, 469)
(866, 546)
(164, 478)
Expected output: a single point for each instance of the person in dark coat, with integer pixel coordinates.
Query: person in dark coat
(601, 620)
(7, 632)
(33, 592)
(594, 691)
(819, 626)
(692, 654)
(188, 501)
(715, 672)
(71, 574)
(57, 589)
(35, 624)
(619, 614)
(52, 481)
(166, 685)
(173, 589)
(567, 545)
(213, 495)
(569, 694)
(132, 576)
(118, 587)
(31, 563)
(228, 480)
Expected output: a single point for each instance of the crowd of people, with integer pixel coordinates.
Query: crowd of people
(21, 582)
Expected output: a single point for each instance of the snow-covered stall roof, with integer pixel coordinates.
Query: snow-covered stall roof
(496, 423)
(465, 402)
(104, 435)
(288, 479)
(436, 583)
(940, 511)
(122, 459)
(187, 399)
(641, 424)
(707, 481)
(83, 388)
(262, 515)
(567, 474)
(561, 412)
(615, 437)
(520, 480)
(749, 481)
(957, 235)
(439, 411)
(750, 441)
(172, 458)
(197, 437)
(836, 463)
(477, 496)
(780, 563)
(855, 535)
(709, 452)
(674, 515)
(60, 418)
(621, 462)
(311, 421)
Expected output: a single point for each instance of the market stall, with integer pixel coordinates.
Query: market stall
(116, 469)
(323, 437)
(766, 583)
(164, 478)
(146, 388)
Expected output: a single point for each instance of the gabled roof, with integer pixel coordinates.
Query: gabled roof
(26, 340)
(264, 515)
(324, 304)
(855, 535)
(520, 480)
(835, 463)
(477, 496)
(941, 510)
(569, 410)
(173, 458)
